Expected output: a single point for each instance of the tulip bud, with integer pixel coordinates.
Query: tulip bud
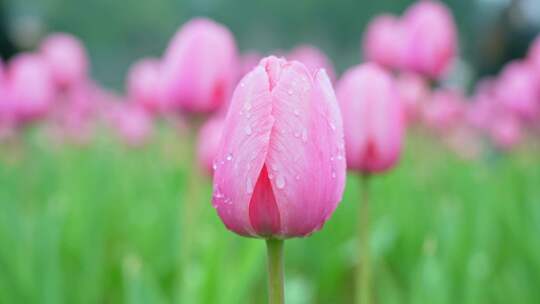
(445, 110)
(67, 59)
(431, 38)
(142, 84)
(313, 58)
(518, 90)
(30, 86)
(280, 170)
(372, 118)
(133, 124)
(414, 92)
(505, 131)
(384, 41)
(208, 143)
(199, 67)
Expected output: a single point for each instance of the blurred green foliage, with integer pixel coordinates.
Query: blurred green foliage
(103, 224)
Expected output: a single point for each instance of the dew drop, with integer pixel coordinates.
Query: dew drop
(229, 157)
(290, 92)
(248, 115)
(280, 182)
(296, 134)
(304, 135)
(333, 174)
(247, 105)
(242, 84)
(331, 158)
(296, 112)
(332, 126)
(248, 130)
(339, 157)
(297, 177)
(274, 167)
(249, 186)
(270, 176)
(214, 166)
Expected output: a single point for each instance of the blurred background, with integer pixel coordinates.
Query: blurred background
(117, 32)
(101, 222)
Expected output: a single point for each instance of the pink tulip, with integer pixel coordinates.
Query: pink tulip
(431, 39)
(384, 41)
(505, 131)
(479, 113)
(208, 143)
(142, 84)
(445, 110)
(133, 124)
(414, 92)
(518, 89)
(313, 58)
(372, 117)
(67, 59)
(30, 86)
(280, 170)
(200, 67)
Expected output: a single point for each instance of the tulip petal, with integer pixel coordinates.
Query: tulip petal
(243, 149)
(305, 157)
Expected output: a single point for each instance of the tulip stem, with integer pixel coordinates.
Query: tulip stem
(274, 249)
(363, 275)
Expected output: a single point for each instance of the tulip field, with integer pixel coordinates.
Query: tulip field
(220, 173)
(443, 231)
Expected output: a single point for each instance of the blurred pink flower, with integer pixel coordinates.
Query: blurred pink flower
(313, 58)
(208, 143)
(414, 91)
(372, 116)
(384, 41)
(143, 85)
(431, 38)
(505, 131)
(133, 124)
(200, 67)
(280, 171)
(67, 59)
(518, 90)
(30, 86)
(445, 110)
(479, 112)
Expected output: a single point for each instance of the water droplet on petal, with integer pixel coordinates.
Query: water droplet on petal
(332, 126)
(304, 135)
(296, 134)
(242, 84)
(280, 182)
(290, 92)
(296, 112)
(248, 130)
(229, 156)
(333, 174)
(249, 186)
(247, 105)
(214, 166)
(331, 158)
(297, 177)
(270, 176)
(274, 167)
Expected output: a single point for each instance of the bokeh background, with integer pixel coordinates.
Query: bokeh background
(103, 223)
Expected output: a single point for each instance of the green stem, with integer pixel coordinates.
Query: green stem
(274, 249)
(363, 271)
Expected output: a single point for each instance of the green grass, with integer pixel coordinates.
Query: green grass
(103, 224)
